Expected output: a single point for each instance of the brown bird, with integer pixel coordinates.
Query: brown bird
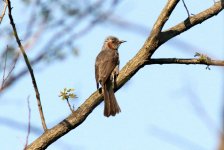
(106, 71)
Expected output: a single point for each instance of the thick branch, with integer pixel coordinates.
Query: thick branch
(129, 70)
(189, 61)
(28, 64)
(191, 21)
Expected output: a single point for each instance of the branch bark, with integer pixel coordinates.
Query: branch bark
(27, 63)
(152, 43)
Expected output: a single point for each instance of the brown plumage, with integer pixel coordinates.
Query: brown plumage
(106, 70)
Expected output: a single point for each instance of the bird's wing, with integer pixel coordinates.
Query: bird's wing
(106, 63)
(97, 76)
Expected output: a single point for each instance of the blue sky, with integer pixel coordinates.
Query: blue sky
(160, 104)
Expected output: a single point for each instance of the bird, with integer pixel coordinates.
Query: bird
(106, 71)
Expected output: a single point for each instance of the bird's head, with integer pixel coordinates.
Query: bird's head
(113, 42)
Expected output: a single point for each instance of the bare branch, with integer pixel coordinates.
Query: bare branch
(3, 12)
(69, 105)
(4, 80)
(28, 65)
(189, 61)
(13, 78)
(190, 22)
(29, 44)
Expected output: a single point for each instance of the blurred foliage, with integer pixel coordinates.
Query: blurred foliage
(49, 29)
(52, 26)
(27, 2)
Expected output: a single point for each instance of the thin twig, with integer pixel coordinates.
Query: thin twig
(13, 78)
(8, 75)
(69, 105)
(185, 6)
(184, 61)
(28, 129)
(10, 71)
(3, 12)
(28, 65)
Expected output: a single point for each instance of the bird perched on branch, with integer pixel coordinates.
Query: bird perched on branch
(106, 71)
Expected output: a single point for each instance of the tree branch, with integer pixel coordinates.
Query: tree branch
(28, 64)
(163, 17)
(189, 61)
(191, 21)
(129, 70)
(5, 79)
(165, 14)
(126, 73)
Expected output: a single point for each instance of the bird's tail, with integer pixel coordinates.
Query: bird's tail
(111, 107)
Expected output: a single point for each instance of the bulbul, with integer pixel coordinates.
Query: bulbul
(106, 71)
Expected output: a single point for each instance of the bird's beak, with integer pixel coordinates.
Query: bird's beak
(122, 41)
